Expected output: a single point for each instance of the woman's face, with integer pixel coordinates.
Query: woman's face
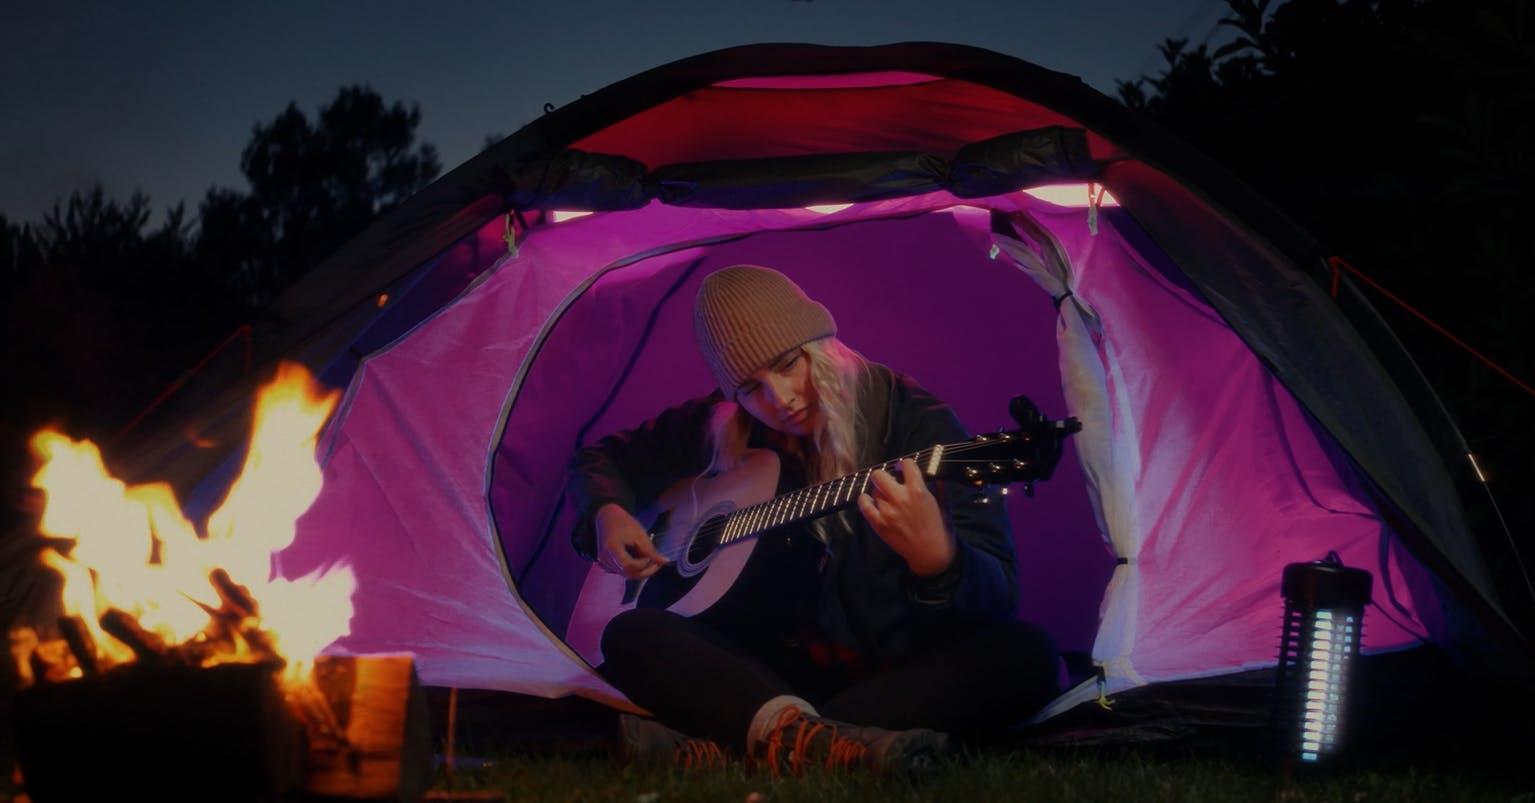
(782, 395)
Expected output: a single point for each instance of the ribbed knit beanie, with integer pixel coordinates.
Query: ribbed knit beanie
(747, 315)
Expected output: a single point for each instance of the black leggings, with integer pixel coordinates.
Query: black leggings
(697, 680)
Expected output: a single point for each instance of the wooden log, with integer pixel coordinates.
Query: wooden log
(23, 642)
(382, 748)
(147, 645)
(52, 662)
(259, 640)
(237, 599)
(161, 733)
(81, 643)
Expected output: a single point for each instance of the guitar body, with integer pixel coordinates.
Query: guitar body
(700, 574)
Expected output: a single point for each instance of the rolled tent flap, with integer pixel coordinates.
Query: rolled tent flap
(579, 180)
(1214, 477)
(796, 181)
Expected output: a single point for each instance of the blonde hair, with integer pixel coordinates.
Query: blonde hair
(839, 374)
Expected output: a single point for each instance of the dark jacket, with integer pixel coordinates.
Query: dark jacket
(868, 599)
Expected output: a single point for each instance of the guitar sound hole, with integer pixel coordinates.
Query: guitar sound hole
(704, 542)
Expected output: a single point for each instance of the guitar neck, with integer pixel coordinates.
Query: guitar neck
(812, 501)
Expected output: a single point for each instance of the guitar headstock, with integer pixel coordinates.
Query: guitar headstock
(1027, 454)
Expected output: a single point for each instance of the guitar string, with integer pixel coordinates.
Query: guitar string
(794, 500)
(712, 529)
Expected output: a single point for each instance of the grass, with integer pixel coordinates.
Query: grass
(1077, 775)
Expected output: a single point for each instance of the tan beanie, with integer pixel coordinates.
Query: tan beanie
(747, 315)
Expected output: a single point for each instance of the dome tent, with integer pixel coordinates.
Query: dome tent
(1236, 418)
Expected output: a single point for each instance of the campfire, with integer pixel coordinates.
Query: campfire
(165, 624)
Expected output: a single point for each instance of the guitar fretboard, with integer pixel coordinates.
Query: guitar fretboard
(808, 502)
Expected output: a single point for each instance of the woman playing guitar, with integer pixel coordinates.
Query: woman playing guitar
(856, 639)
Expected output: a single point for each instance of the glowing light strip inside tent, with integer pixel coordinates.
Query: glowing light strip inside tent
(1068, 195)
(1073, 195)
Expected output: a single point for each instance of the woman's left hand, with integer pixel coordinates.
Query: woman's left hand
(906, 516)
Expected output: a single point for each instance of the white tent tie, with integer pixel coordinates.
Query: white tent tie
(509, 235)
(1094, 200)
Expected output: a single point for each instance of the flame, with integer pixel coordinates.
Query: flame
(135, 550)
(279, 480)
(307, 614)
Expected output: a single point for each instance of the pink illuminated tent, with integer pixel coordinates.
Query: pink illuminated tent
(1236, 415)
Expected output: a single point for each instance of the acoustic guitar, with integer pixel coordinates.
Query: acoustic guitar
(708, 526)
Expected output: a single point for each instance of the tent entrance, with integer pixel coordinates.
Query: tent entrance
(918, 293)
(1201, 466)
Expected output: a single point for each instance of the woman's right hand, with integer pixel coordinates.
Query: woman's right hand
(623, 545)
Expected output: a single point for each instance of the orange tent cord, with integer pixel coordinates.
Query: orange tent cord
(1340, 264)
(244, 331)
(1337, 263)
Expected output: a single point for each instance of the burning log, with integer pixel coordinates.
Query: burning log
(52, 661)
(23, 642)
(358, 731)
(146, 645)
(380, 714)
(185, 733)
(204, 696)
(259, 640)
(81, 643)
(237, 599)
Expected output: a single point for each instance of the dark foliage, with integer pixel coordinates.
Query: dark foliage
(313, 186)
(105, 309)
(1400, 132)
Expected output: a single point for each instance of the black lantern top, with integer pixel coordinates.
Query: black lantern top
(1326, 584)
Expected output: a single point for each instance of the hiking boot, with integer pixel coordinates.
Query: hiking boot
(800, 741)
(646, 741)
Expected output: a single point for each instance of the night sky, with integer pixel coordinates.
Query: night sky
(163, 100)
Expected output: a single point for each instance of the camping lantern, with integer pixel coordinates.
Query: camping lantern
(1323, 617)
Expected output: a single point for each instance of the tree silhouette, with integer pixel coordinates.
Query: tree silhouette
(313, 186)
(104, 309)
(1400, 133)
(101, 306)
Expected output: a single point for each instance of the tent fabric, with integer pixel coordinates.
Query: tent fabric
(1289, 323)
(1237, 419)
(728, 123)
(423, 415)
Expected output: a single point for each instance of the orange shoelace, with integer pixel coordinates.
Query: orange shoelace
(698, 754)
(840, 751)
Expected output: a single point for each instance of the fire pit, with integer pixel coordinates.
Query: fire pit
(184, 666)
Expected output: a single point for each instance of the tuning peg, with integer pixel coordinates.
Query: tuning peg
(1004, 436)
(996, 468)
(971, 472)
(1019, 462)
